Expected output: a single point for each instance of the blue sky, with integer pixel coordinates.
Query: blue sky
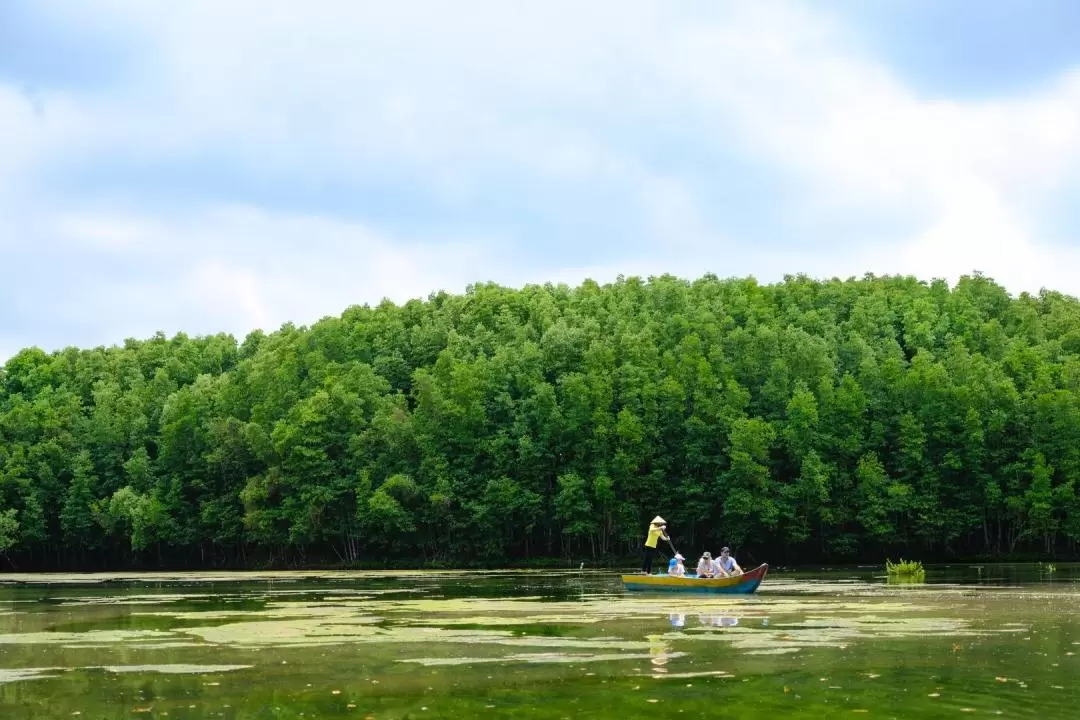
(222, 166)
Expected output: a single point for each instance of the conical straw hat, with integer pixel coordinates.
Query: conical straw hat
(659, 521)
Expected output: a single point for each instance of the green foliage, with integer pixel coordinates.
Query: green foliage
(905, 571)
(77, 516)
(573, 508)
(9, 530)
(904, 567)
(804, 420)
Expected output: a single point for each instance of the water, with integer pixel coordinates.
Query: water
(974, 640)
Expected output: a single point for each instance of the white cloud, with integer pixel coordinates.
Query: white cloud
(236, 268)
(549, 102)
(16, 122)
(110, 234)
(969, 175)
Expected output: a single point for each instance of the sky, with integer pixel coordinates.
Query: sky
(226, 165)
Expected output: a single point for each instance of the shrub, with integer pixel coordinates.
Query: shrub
(909, 570)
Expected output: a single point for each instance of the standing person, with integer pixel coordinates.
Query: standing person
(656, 533)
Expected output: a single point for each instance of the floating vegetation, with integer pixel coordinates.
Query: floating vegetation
(428, 623)
(536, 658)
(367, 618)
(496, 620)
(685, 675)
(315, 631)
(905, 571)
(131, 599)
(275, 611)
(102, 638)
(173, 669)
(8, 675)
(434, 643)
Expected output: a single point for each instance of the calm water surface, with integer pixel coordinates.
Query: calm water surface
(997, 640)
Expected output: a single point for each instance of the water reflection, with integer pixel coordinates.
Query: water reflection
(659, 653)
(460, 649)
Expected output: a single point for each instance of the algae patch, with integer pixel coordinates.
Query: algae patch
(537, 658)
(294, 632)
(91, 638)
(8, 675)
(172, 669)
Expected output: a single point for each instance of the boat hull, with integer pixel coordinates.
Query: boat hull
(744, 584)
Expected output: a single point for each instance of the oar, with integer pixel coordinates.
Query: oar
(674, 552)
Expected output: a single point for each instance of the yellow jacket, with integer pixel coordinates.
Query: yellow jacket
(655, 533)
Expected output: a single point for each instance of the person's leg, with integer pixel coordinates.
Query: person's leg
(647, 565)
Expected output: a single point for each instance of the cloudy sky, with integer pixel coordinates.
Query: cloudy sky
(214, 165)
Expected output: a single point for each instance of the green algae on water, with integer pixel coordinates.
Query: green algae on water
(171, 669)
(472, 645)
(98, 637)
(10, 675)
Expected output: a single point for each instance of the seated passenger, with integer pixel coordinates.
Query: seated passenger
(705, 566)
(727, 564)
(676, 567)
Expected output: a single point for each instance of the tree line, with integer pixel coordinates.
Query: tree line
(800, 421)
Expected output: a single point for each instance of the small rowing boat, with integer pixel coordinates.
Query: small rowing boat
(739, 585)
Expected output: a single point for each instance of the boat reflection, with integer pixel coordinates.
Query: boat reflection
(717, 620)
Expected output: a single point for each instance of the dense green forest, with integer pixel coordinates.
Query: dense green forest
(797, 422)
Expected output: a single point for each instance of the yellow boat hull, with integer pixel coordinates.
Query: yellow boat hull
(744, 584)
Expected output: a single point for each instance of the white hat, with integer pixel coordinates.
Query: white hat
(678, 556)
(659, 521)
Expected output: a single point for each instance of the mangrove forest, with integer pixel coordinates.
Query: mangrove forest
(801, 421)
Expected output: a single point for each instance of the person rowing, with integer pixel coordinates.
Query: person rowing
(655, 534)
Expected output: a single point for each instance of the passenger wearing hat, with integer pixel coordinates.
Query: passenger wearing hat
(705, 566)
(656, 533)
(675, 566)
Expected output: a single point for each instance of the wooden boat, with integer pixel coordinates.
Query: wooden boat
(739, 585)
